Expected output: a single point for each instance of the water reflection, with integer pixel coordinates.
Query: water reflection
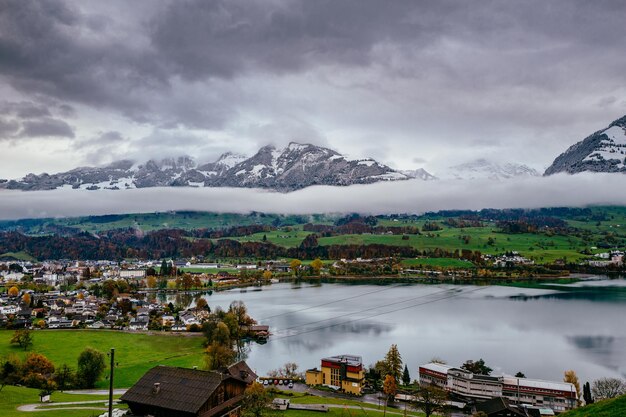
(537, 331)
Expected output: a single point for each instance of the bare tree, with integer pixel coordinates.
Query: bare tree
(604, 388)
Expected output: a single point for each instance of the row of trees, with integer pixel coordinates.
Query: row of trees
(37, 371)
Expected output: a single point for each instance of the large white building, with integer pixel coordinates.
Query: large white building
(559, 396)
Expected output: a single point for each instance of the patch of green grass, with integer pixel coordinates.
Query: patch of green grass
(12, 397)
(134, 353)
(539, 247)
(438, 262)
(608, 408)
(20, 256)
(289, 239)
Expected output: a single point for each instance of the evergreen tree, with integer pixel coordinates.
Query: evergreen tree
(406, 378)
(587, 393)
(165, 269)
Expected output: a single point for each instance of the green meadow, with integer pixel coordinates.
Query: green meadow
(135, 353)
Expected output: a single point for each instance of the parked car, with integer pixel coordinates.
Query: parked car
(290, 384)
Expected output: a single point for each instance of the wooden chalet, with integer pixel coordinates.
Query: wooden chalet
(166, 391)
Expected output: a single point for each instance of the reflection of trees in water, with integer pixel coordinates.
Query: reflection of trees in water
(607, 351)
(243, 350)
(184, 299)
(327, 335)
(597, 294)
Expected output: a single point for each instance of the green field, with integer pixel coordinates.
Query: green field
(134, 353)
(437, 262)
(12, 397)
(20, 256)
(615, 407)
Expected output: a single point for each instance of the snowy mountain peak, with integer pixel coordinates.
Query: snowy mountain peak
(603, 151)
(290, 168)
(483, 168)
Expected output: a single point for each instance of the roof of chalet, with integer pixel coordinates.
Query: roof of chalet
(242, 371)
(496, 405)
(180, 389)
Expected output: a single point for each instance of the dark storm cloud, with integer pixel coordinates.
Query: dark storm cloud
(46, 127)
(506, 78)
(51, 48)
(223, 38)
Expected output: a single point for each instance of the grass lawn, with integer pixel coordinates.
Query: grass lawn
(12, 397)
(20, 256)
(607, 408)
(438, 262)
(304, 398)
(134, 353)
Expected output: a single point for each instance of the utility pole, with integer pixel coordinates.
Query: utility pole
(111, 382)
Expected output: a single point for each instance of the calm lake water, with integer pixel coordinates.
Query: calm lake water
(541, 332)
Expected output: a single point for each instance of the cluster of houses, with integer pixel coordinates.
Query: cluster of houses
(605, 259)
(56, 310)
(508, 259)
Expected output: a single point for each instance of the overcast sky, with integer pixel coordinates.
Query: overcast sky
(410, 83)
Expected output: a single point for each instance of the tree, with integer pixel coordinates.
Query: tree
(393, 363)
(256, 400)
(10, 371)
(90, 367)
(406, 377)
(430, 399)
(23, 338)
(64, 377)
(201, 304)
(477, 367)
(151, 282)
(587, 393)
(13, 291)
(295, 266)
(389, 388)
(290, 370)
(26, 299)
(520, 375)
(604, 388)
(218, 356)
(267, 275)
(165, 269)
(37, 363)
(317, 265)
(571, 377)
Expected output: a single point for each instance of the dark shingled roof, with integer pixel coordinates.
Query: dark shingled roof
(242, 371)
(497, 405)
(180, 389)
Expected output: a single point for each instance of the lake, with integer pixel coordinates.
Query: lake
(540, 332)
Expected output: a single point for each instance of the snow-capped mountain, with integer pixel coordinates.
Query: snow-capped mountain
(603, 151)
(482, 168)
(285, 169)
(419, 173)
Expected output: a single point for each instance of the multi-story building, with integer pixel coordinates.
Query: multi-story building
(343, 372)
(559, 396)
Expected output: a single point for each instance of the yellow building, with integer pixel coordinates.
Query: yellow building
(344, 373)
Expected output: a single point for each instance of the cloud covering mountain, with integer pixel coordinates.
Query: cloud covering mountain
(412, 196)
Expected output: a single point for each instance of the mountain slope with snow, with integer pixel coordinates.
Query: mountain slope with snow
(603, 151)
(285, 169)
(482, 168)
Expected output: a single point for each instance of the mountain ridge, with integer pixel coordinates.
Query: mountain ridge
(293, 167)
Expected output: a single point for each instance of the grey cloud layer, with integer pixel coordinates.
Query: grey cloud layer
(380, 198)
(488, 77)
